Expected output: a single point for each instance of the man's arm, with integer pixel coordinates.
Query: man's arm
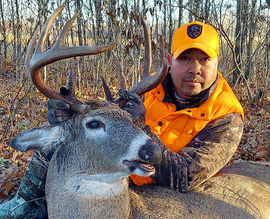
(208, 152)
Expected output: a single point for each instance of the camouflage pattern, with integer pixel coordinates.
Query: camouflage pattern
(29, 201)
(208, 152)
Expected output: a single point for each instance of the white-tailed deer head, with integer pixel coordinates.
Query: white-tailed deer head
(95, 150)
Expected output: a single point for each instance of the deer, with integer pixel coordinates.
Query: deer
(99, 147)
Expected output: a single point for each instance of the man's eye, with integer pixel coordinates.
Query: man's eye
(94, 125)
(184, 58)
(204, 59)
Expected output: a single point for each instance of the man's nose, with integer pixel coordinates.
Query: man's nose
(195, 68)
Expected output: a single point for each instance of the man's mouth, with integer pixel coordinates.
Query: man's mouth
(192, 82)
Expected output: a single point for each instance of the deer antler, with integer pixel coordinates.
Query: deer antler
(40, 58)
(121, 76)
(147, 82)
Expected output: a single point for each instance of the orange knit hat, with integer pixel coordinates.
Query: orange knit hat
(195, 35)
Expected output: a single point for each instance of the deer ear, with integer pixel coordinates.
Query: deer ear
(42, 139)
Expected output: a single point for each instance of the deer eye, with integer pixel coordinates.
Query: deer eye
(94, 124)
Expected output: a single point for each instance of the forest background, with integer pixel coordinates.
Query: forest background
(243, 27)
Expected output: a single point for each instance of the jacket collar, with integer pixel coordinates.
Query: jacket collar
(169, 96)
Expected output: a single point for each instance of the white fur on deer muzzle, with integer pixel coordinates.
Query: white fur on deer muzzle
(134, 163)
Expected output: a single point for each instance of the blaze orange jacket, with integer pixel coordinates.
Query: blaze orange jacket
(177, 128)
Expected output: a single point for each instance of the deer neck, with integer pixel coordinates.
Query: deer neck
(103, 196)
(99, 185)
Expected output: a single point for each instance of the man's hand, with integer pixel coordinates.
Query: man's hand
(58, 111)
(134, 106)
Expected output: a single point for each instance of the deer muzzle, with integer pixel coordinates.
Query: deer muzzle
(150, 153)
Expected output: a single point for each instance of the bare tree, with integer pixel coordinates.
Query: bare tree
(207, 6)
(99, 19)
(236, 72)
(165, 18)
(111, 13)
(156, 14)
(252, 26)
(3, 30)
(180, 15)
(170, 26)
(197, 8)
(240, 35)
(71, 29)
(92, 19)
(190, 12)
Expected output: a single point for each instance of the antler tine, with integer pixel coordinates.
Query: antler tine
(121, 79)
(57, 52)
(71, 85)
(61, 39)
(107, 91)
(45, 30)
(149, 82)
(121, 76)
(147, 52)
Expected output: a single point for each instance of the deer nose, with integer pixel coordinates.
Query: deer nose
(150, 152)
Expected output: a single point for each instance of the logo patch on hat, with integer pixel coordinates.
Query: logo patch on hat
(194, 30)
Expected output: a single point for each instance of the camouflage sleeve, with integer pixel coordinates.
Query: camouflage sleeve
(208, 152)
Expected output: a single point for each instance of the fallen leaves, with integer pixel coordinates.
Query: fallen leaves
(32, 113)
(10, 177)
(256, 134)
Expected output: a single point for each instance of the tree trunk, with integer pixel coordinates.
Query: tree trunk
(251, 38)
(18, 39)
(71, 29)
(18, 27)
(98, 20)
(206, 10)
(14, 35)
(156, 28)
(238, 33)
(197, 10)
(244, 24)
(165, 19)
(112, 5)
(143, 6)
(80, 59)
(170, 27)
(4, 30)
(190, 12)
(267, 48)
(92, 20)
(79, 21)
(180, 18)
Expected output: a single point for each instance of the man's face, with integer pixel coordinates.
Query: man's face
(192, 72)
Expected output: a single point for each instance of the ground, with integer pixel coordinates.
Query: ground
(22, 107)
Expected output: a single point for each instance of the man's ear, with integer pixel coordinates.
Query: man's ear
(219, 58)
(169, 58)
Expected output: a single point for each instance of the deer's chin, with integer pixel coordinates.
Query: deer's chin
(139, 168)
